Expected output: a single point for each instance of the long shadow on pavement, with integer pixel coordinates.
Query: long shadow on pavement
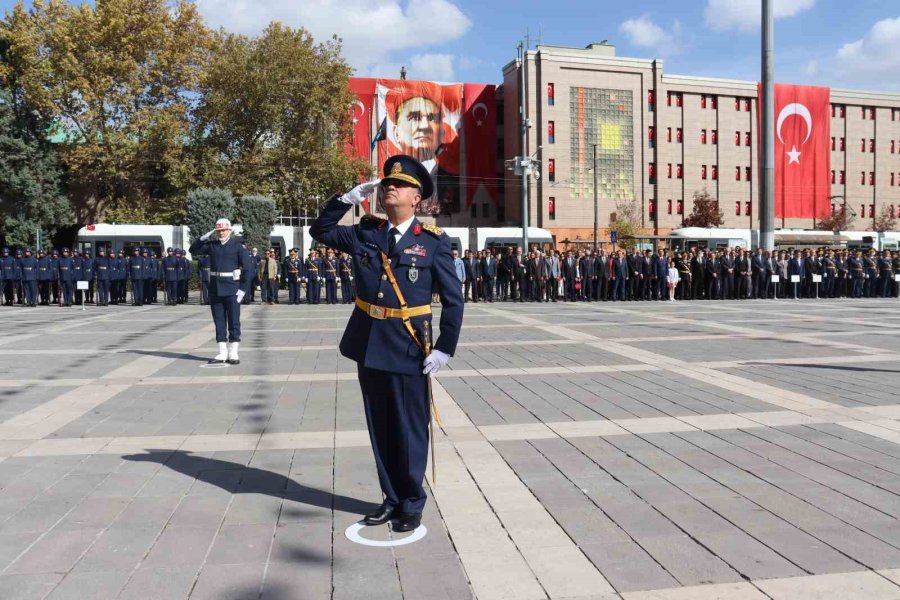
(241, 479)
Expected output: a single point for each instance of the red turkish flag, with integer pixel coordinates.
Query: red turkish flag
(480, 130)
(802, 151)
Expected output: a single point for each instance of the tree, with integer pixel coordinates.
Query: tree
(257, 216)
(626, 221)
(32, 198)
(885, 221)
(706, 212)
(274, 117)
(204, 207)
(839, 220)
(118, 80)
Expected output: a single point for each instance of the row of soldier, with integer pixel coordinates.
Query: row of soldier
(320, 271)
(46, 278)
(732, 273)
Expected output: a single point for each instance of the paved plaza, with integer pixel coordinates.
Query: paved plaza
(641, 451)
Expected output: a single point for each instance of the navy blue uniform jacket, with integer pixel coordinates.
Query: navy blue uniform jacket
(385, 344)
(225, 258)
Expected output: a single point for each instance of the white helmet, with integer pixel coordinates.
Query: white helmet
(223, 224)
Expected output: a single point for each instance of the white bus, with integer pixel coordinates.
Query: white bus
(713, 237)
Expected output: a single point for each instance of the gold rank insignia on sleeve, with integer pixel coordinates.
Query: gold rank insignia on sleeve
(433, 230)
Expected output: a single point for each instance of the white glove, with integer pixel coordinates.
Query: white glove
(207, 235)
(434, 362)
(240, 295)
(360, 192)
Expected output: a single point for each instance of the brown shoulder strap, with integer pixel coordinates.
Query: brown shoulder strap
(386, 264)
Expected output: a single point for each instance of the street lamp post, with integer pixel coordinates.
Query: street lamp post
(595, 197)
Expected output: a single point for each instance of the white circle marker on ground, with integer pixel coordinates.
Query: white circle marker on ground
(215, 366)
(352, 534)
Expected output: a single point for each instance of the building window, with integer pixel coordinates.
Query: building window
(651, 100)
(832, 204)
(651, 172)
(892, 146)
(678, 98)
(651, 208)
(551, 169)
(669, 171)
(737, 138)
(679, 134)
(871, 210)
(862, 109)
(702, 136)
(871, 177)
(842, 144)
(668, 134)
(871, 145)
(679, 207)
(715, 173)
(678, 171)
(747, 139)
(714, 137)
(669, 99)
(669, 207)
(737, 173)
(862, 210)
(747, 173)
(832, 110)
(551, 207)
(551, 94)
(747, 207)
(702, 100)
(842, 111)
(551, 132)
(702, 171)
(737, 208)
(832, 141)
(832, 176)
(737, 103)
(862, 178)
(862, 145)
(746, 104)
(892, 178)
(651, 136)
(871, 114)
(842, 178)
(713, 102)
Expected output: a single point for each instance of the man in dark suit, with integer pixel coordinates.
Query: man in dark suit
(588, 280)
(698, 274)
(473, 274)
(727, 275)
(662, 273)
(796, 266)
(713, 276)
(648, 276)
(621, 275)
(569, 270)
(603, 271)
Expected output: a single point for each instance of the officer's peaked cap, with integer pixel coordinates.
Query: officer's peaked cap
(405, 168)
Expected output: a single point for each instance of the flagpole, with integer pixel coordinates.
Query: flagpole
(766, 104)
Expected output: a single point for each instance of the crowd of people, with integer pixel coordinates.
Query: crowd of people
(501, 274)
(695, 274)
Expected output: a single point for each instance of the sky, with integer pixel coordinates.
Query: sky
(834, 43)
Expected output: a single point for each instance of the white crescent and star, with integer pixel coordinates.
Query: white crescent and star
(792, 109)
(475, 108)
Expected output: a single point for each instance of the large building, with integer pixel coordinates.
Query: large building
(660, 138)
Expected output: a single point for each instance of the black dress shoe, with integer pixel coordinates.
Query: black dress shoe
(407, 521)
(380, 515)
(233, 361)
(214, 361)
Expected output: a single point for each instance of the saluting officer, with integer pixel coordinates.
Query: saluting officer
(231, 275)
(397, 263)
(104, 275)
(170, 268)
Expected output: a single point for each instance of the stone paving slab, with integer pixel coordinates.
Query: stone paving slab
(588, 451)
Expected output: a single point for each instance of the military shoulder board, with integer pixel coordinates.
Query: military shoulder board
(433, 230)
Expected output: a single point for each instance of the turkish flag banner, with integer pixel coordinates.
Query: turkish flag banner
(802, 151)
(480, 131)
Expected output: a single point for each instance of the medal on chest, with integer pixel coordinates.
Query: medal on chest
(413, 272)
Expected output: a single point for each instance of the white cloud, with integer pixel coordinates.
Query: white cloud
(873, 59)
(745, 15)
(811, 68)
(644, 33)
(434, 67)
(373, 31)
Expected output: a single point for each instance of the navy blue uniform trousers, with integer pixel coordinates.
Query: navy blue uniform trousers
(397, 413)
(226, 313)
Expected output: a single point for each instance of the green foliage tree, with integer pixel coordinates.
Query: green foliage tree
(706, 212)
(32, 197)
(273, 117)
(626, 221)
(257, 215)
(116, 78)
(204, 207)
